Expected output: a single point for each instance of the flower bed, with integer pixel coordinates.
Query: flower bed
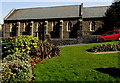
(21, 43)
(105, 48)
(31, 45)
(34, 48)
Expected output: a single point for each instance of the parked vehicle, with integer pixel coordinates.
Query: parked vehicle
(110, 35)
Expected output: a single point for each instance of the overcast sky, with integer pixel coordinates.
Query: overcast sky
(7, 5)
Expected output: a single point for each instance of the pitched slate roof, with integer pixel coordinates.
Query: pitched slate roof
(94, 12)
(56, 12)
(45, 13)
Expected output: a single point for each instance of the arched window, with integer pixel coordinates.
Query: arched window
(69, 26)
(13, 29)
(92, 26)
(41, 31)
(37, 27)
(54, 26)
(28, 28)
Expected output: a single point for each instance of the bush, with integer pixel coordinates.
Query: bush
(50, 49)
(23, 43)
(46, 50)
(36, 49)
(8, 44)
(107, 47)
(17, 67)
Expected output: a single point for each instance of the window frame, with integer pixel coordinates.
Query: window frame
(69, 26)
(92, 25)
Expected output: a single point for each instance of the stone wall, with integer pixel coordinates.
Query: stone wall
(35, 25)
(84, 39)
(60, 42)
(86, 26)
(7, 29)
(83, 36)
(89, 38)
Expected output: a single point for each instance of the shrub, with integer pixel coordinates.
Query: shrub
(8, 44)
(50, 50)
(37, 49)
(47, 50)
(107, 47)
(23, 43)
(17, 67)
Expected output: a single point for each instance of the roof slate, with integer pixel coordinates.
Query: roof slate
(94, 12)
(45, 13)
(57, 12)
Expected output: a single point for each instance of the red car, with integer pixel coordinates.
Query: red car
(110, 35)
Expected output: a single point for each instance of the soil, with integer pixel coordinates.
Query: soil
(106, 52)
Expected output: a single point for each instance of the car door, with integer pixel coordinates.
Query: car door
(109, 36)
(116, 34)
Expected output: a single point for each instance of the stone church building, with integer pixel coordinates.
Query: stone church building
(61, 22)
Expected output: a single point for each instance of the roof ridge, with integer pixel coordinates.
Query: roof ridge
(47, 7)
(96, 7)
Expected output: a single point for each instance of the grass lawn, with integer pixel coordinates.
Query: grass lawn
(76, 64)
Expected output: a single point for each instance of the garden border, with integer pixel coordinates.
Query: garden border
(107, 52)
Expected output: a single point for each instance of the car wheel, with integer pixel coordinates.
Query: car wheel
(118, 38)
(101, 40)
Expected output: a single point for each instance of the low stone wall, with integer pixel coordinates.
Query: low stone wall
(60, 42)
(89, 38)
(83, 39)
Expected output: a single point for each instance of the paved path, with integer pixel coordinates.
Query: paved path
(76, 44)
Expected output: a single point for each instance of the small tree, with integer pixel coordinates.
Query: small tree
(113, 16)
